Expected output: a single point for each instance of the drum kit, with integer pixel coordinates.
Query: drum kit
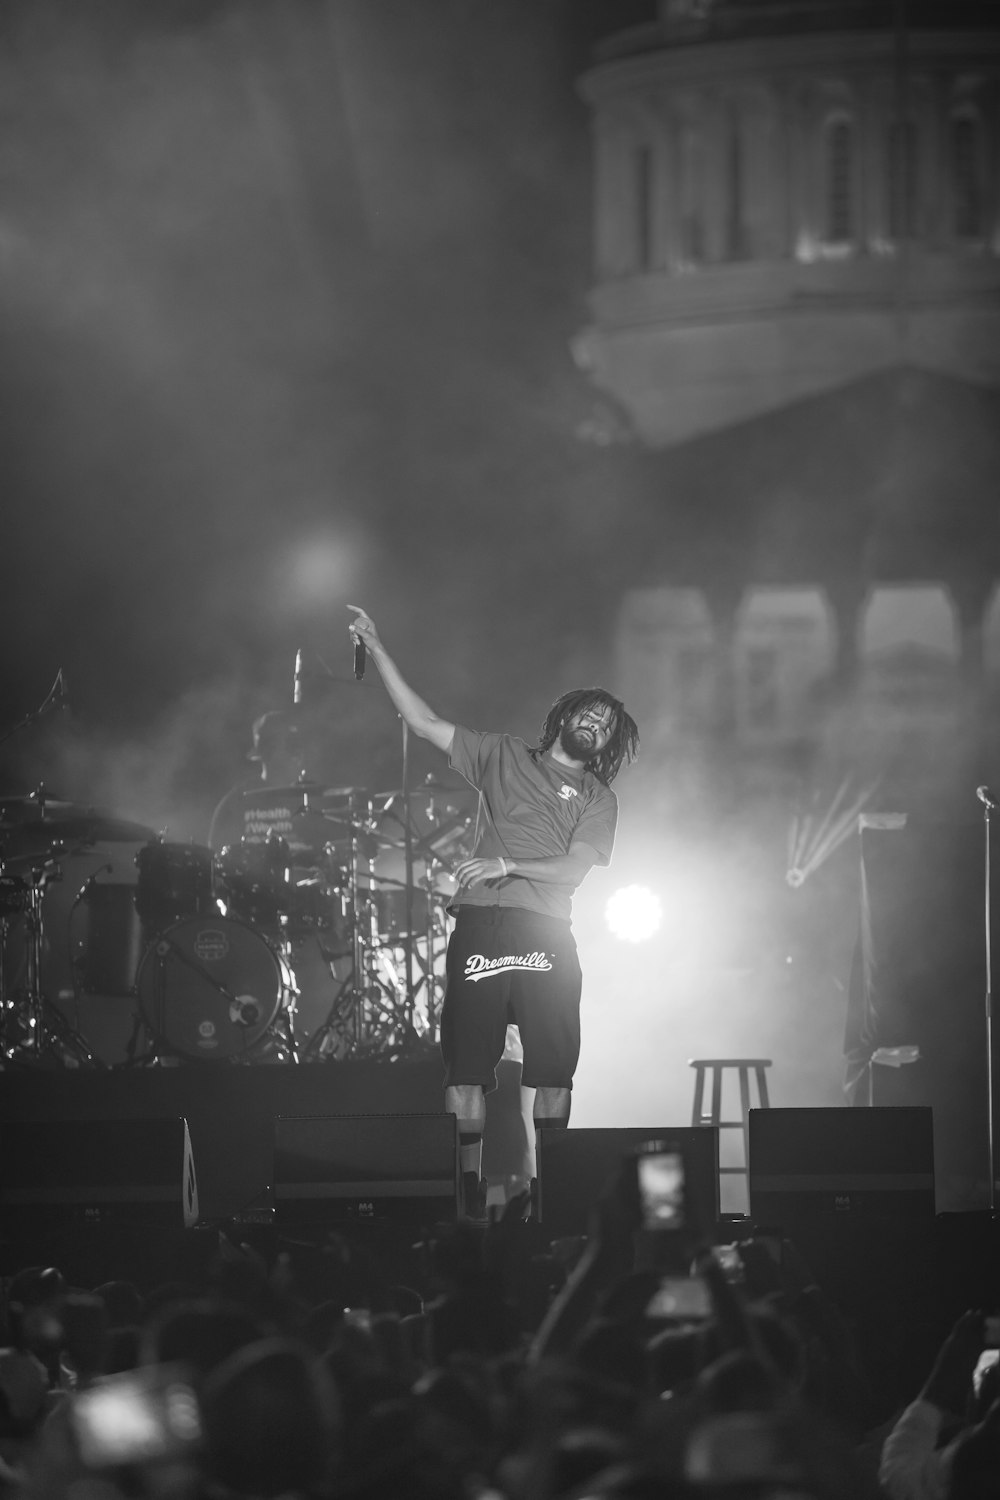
(270, 950)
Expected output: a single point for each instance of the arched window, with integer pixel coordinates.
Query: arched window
(839, 226)
(967, 177)
(902, 184)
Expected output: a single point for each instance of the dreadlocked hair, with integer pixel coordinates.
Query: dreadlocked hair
(622, 747)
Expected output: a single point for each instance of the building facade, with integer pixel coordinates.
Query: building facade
(797, 254)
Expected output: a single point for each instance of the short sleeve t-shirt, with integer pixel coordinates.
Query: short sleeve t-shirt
(530, 807)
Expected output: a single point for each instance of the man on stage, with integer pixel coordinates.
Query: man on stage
(546, 816)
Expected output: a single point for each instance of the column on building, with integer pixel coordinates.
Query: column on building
(875, 97)
(846, 597)
(613, 248)
(670, 218)
(792, 103)
(724, 596)
(714, 115)
(970, 595)
(990, 99)
(937, 166)
(766, 193)
(690, 175)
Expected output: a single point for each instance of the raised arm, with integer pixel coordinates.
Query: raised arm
(414, 711)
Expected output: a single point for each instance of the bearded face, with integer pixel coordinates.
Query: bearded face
(585, 735)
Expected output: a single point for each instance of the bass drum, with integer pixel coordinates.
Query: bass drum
(209, 988)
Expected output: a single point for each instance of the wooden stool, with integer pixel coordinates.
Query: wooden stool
(713, 1116)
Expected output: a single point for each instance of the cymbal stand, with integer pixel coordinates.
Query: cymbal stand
(435, 938)
(42, 1020)
(34, 927)
(364, 924)
(346, 1029)
(6, 1007)
(408, 867)
(387, 1015)
(55, 698)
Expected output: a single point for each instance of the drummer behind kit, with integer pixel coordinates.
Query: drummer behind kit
(319, 934)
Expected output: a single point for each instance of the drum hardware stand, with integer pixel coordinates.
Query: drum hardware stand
(152, 1053)
(990, 804)
(359, 1001)
(44, 1022)
(408, 876)
(6, 1007)
(436, 940)
(281, 1030)
(56, 697)
(389, 1004)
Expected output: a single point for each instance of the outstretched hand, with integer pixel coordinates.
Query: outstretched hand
(362, 627)
(950, 1380)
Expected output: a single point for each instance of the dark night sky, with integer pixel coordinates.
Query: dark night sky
(286, 295)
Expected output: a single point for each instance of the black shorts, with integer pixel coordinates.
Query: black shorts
(507, 965)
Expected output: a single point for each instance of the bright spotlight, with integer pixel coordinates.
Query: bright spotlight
(322, 567)
(634, 913)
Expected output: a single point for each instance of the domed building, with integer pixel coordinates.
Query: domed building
(795, 331)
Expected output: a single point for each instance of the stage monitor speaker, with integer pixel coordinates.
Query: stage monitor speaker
(97, 1171)
(852, 1189)
(574, 1167)
(847, 1161)
(345, 1168)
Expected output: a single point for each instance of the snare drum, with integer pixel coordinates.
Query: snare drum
(175, 880)
(256, 881)
(209, 988)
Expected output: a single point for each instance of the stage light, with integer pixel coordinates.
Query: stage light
(322, 567)
(633, 913)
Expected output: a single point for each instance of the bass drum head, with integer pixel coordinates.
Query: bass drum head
(209, 988)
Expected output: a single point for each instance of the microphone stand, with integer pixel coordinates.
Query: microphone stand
(988, 805)
(408, 877)
(49, 701)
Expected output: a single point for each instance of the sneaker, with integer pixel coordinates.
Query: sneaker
(474, 1190)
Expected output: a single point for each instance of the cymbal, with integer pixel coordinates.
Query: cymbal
(32, 809)
(429, 790)
(314, 790)
(297, 789)
(75, 825)
(349, 826)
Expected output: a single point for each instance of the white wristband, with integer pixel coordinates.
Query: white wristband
(503, 866)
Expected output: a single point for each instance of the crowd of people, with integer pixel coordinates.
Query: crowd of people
(501, 1365)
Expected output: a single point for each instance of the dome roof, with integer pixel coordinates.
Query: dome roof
(644, 25)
